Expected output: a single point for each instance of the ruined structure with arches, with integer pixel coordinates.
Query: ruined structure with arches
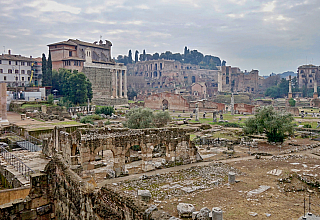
(80, 148)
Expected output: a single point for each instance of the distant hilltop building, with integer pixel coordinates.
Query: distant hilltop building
(109, 79)
(16, 70)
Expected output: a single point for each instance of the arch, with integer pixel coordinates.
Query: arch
(165, 104)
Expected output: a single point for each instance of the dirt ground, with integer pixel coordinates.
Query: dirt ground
(236, 203)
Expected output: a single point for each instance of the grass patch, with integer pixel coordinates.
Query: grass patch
(33, 105)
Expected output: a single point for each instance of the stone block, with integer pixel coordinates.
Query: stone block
(216, 213)
(231, 177)
(144, 195)
(185, 210)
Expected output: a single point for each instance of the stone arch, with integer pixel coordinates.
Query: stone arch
(165, 104)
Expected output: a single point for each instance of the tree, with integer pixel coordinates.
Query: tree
(292, 102)
(131, 94)
(44, 70)
(136, 56)
(144, 55)
(49, 71)
(274, 124)
(107, 110)
(74, 86)
(139, 118)
(130, 57)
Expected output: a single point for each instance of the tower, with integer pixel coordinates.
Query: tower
(290, 88)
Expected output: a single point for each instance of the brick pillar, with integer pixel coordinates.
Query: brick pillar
(3, 101)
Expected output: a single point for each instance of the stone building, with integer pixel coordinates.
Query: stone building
(177, 102)
(109, 79)
(307, 74)
(16, 70)
(232, 79)
(199, 90)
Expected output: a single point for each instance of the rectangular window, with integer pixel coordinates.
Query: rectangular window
(28, 63)
(4, 78)
(70, 53)
(28, 78)
(16, 71)
(22, 78)
(29, 72)
(16, 78)
(9, 62)
(9, 70)
(22, 71)
(22, 63)
(16, 62)
(1, 70)
(0, 61)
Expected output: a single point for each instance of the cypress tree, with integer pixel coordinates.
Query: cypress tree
(136, 56)
(130, 57)
(44, 70)
(49, 71)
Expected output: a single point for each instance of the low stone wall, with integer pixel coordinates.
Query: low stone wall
(10, 177)
(9, 195)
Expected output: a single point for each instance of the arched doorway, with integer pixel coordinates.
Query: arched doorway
(165, 104)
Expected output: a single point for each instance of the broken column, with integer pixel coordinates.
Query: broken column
(231, 177)
(216, 213)
(197, 112)
(232, 104)
(214, 117)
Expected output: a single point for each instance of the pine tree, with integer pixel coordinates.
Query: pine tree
(136, 56)
(44, 70)
(49, 71)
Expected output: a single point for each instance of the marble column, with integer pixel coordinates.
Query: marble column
(116, 81)
(120, 84)
(125, 83)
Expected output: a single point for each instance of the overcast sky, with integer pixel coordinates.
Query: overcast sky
(271, 36)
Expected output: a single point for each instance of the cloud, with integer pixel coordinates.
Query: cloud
(52, 6)
(246, 33)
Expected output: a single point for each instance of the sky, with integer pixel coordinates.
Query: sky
(270, 36)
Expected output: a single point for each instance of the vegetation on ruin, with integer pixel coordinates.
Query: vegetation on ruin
(139, 118)
(89, 119)
(46, 70)
(273, 123)
(73, 86)
(292, 102)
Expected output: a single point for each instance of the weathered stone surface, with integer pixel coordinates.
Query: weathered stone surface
(185, 209)
(144, 195)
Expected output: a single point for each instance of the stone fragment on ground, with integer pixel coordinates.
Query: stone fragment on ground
(261, 189)
(275, 172)
(185, 209)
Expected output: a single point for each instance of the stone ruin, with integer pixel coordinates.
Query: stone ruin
(80, 148)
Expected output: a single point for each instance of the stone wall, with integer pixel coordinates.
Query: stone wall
(166, 100)
(81, 147)
(9, 195)
(59, 193)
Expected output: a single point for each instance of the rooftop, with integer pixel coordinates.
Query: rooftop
(79, 42)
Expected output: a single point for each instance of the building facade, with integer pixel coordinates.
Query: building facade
(109, 79)
(307, 74)
(232, 79)
(16, 70)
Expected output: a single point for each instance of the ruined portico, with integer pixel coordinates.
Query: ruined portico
(80, 148)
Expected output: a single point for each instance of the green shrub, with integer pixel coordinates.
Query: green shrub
(107, 110)
(307, 126)
(232, 125)
(50, 99)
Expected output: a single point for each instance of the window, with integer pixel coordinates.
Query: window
(22, 63)
(22, 78)
(0, 62)
(28, 63)
(310, 80)
(310, 75)
(29, 72)
(70, 53)
(9, 62)
(16, 62)
(9, 70)
(22, 71)
(1, 70)
(4, 78)
(16, 78)
(16, 71)
(28, 78)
